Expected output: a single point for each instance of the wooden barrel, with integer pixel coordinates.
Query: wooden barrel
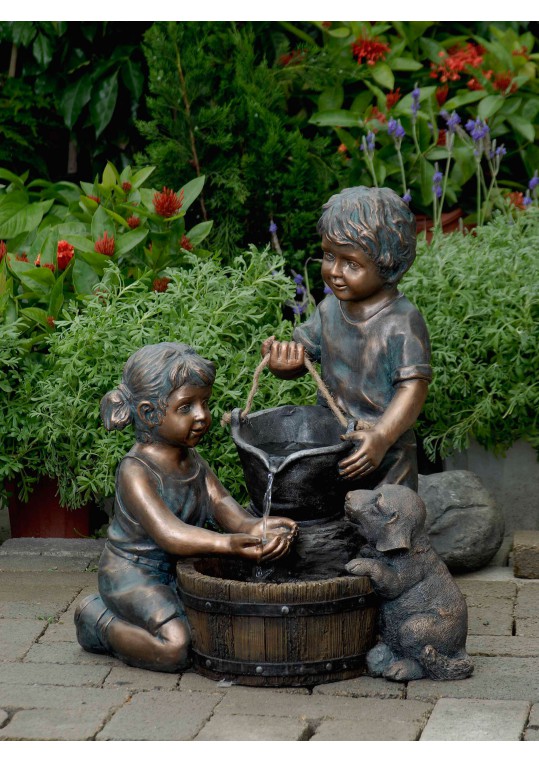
(297, 633)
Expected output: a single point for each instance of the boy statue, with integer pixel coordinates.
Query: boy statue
(371, 342)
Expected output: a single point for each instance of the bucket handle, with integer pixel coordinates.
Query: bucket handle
(226, 419)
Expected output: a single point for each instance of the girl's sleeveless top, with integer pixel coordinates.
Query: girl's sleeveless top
(186, 498)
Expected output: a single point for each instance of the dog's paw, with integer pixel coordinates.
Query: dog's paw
(404, 670)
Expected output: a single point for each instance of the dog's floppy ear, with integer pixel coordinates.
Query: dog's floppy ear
(396, 535)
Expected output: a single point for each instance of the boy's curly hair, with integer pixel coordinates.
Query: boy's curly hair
(378, 221)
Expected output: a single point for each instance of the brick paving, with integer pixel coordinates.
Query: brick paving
(50, 689)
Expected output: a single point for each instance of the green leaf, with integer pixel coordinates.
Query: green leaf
(133, 78)
(338, 118)
(82, 244)
(5, 174)
(339, 32)
(197, 233)
(23, 32)
(57, 296)
(382, 74)
(101, 222)
(110, 175)
(75, 97)
(18, 216)
(525, 128)
(426, 174)
(489, 105)
(331, 99)
(103, 103)
(116, 217)
(191, 191)
(360, 102)
(125, 243)
(37, 315)
(42, 50)
(405, 64)
(141, 176)
(464, 99)
(98, 262)
(84, 277)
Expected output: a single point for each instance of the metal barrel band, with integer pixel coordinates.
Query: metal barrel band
(278, 610)
(305, 668)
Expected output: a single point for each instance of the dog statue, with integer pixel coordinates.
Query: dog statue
(423, 614)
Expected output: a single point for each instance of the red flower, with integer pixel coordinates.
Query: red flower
(504, 83)
(523, 51)
(50, 320)
(441, 137)
(160, 284)
(133, 221)
(38, 260)
(186, 243)
(457, 60)
(392, 98)
(441, 94)
(21, 257)
(295, 56)
(342, 148)
(3, 249)
(126, 187)
(167, 203)
(326, 24)
(372, 50)
(377, 114)
(50, 266)
(517, 199)
(105, 245)
(64, 254)
(94, 198)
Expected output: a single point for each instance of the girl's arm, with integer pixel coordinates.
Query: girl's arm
(140, 495)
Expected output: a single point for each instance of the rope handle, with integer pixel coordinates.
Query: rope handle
(227, 417)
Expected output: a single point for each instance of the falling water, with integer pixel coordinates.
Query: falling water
(259, 573)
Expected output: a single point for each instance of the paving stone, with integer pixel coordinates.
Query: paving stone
(161, 715)
(87, 548)
(477, 588)
(531, 734)
(365, 729)
(66, 652)
(42, 563)
(259, 702)
(527, 604)
(488, 574)
(59, 632)
(466, 720)
(527, 627)
(520, 647)
(244, 728)
(52, 673)
(137, 680)
(21, 696)
(493, 616)
(51, 724)
(493, 679)
(533, 720)
(362, 687)
(526, 554)
(198, 683)
(17, 637)
(3, 717)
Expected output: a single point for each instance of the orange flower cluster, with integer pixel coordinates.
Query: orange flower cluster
(392, 98)
(160, 284)
(105, 245)
(295, 56)
(372, 50)
(3, 249)
(64, 254)
(455, 61)
(167, 203)
(186, 243)
(133, 221)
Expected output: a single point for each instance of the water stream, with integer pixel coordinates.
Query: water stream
(259, 572)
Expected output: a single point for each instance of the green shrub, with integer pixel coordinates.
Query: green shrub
(224, 313)
(478, 294)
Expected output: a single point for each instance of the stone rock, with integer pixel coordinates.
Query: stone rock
(526, 554)
(464, 523)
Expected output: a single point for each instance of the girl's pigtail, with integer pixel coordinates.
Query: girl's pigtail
(117, 408)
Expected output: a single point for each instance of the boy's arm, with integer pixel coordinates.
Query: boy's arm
(400, 415)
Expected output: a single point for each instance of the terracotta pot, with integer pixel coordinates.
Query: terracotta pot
(449, 221)
(42, 516)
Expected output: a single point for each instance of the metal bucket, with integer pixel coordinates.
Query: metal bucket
(302, 447)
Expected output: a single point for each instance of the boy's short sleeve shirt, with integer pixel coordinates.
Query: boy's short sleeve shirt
(363, 361)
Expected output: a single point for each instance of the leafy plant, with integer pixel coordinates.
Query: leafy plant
(224, 313)
(478, 295)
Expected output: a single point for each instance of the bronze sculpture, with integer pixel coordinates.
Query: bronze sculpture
(423, 614)
(372, 343)
(165, 496)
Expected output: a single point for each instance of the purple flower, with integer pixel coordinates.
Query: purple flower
(327, 290)
(416, 93)
(527, 200)
(477, 129)
(451, 121)
(501, 151)
(534, 181)
(300, 290)
(407, 197)
(437, 178)
(298, 279)
(272, 227)
(368, 143)
(298, 308)
(395, 129)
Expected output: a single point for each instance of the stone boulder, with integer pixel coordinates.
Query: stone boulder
(464, 523)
